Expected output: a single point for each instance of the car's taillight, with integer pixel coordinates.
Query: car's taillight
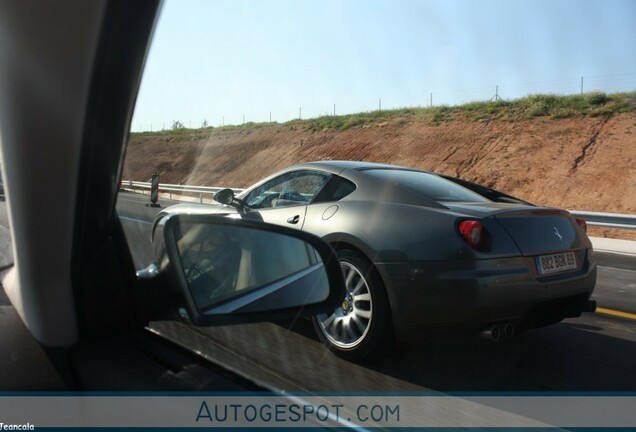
(582, 224)
(473, 233)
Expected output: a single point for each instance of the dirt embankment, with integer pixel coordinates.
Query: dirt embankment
(586, 163)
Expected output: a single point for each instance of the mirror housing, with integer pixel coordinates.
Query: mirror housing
(215, 270)
(224, 196)
(227, 197)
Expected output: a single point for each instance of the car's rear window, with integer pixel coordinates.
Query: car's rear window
(430, 185)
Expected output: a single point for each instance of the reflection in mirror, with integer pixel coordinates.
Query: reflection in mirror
(237, 268)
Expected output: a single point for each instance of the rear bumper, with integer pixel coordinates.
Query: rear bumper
(469, 295)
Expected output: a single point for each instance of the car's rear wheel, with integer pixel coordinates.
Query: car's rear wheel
(360, 325)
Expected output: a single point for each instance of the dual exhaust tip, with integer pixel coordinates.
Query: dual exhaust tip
(496, 332)
(507, 330)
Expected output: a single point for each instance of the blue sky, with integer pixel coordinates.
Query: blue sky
(224, 59)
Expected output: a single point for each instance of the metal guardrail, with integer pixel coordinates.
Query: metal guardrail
(606, 220)
(173, 188)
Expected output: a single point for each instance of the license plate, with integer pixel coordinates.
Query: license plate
(557, 263)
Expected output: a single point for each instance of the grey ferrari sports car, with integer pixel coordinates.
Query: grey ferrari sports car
(423, 253)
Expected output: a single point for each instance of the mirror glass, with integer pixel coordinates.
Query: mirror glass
(237, 268)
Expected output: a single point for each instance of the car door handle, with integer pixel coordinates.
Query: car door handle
(293, 220)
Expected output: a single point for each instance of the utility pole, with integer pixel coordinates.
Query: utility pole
(300, 113)
(380, 104)
(270, 116)
(334, 110)
(581, 85)
(431, 99)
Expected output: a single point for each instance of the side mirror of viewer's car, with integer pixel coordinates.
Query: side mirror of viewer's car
(221, 270)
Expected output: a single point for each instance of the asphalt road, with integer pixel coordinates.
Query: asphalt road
(592, 353)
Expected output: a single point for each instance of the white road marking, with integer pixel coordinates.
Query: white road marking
(139, 221)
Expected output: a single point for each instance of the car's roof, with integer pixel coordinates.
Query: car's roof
(341, 165)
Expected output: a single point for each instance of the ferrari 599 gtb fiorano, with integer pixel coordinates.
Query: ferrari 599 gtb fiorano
(424, 253)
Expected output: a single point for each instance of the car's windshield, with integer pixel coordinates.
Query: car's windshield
(535, 99)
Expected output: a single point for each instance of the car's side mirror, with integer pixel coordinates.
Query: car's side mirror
(234, 270)
(224, 196)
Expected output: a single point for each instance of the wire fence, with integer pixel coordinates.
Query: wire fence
(616, 83)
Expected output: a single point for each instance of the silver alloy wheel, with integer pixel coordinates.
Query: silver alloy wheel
(349, 324)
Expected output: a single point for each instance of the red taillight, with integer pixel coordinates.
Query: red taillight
(473, 233)
(582, 224)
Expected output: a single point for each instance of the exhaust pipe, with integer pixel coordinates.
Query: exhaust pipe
(509, 330)
(492, 334)
(590, 306)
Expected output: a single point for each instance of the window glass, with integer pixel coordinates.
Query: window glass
(336, 189)
(235, 90)
(431, 185)
(296, 188)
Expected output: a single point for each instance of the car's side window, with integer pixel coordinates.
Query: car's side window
(335, 190)
(290, 189)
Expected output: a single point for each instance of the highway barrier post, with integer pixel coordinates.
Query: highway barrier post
(154, 190)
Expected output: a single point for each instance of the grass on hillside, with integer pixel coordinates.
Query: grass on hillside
(529, 107)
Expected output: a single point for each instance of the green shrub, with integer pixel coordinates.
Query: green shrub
(597, 98)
